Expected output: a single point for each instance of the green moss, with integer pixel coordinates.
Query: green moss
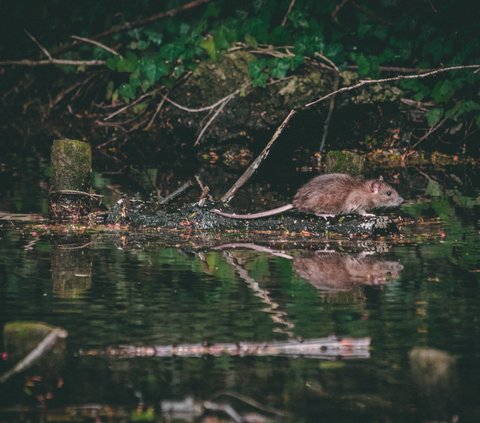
(71, 165)
(344, 162)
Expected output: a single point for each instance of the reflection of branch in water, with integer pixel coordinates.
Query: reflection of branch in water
(251, 402)
(252, 246)
(276, 315)
(43, 347)
(329, 348)
(190, 410)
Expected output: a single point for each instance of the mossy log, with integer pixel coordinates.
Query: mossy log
(292, 224)
(345, 162)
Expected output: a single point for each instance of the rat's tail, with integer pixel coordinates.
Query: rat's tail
(258, 215)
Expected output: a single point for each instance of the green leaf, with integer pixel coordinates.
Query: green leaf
(333, 50)
(280, 67)
(148, 69)
(142, 45)
(260, 80)
(112, 62)
(127, 92)
(257, 67)
(443, 91)
(178, 71)
(298, 18)
(364, 29)
(154, 37)
(208, 44)
(172, 51)
(250, 41)
(434, 116)
(129, 63)
(433, 189)
(363, 63)
(477, 121)
(109, 90)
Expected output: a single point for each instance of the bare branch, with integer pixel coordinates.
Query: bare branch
(396, 78)
(254, 165)
(175, 193)
(127, 26)
(430, 132)
(331, 106)
(44, 50)
(217, 112)
(133, 103)
(62, 62)
(157, 111)
(290, 7)
(75, 192)
(95, 43)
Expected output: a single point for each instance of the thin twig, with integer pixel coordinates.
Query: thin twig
(430, 132)
(217, 112)
(326, 59)
(370, 14)
(73, 191)
(396, 78)
(59, 97)
(44, 50)
(226, 408)
(175, 193)
(157, 111)
(50, 60)
(206, 108)
(331, 106)
(205, 192)
(290, 7)
(133, 103)
(251, 402)
(396, 69)
(62, 62)
(127, 26)
(338, 8)
(254, 165)
(95, 43)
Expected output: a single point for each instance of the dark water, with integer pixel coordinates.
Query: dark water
(417, 298)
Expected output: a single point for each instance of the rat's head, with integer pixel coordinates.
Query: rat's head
(383, 194)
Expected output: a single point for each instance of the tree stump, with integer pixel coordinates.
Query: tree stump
(70, 196)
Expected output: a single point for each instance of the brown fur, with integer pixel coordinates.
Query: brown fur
(334, 194)
(342, 272)
(339, 193)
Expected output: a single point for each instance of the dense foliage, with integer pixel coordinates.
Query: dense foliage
(372, 37)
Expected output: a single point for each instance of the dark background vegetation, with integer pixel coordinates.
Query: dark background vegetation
(373, 38)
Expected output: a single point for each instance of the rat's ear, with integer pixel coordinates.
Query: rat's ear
(380, 178)
(374, 186)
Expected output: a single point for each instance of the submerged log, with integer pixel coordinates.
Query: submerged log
(328, 348)
(70, 196)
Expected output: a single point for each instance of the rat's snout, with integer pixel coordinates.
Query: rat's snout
(400, 200)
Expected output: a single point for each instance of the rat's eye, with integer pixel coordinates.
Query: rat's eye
(389, 193)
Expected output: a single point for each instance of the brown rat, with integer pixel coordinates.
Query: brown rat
(334, 194)
(339, 272)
